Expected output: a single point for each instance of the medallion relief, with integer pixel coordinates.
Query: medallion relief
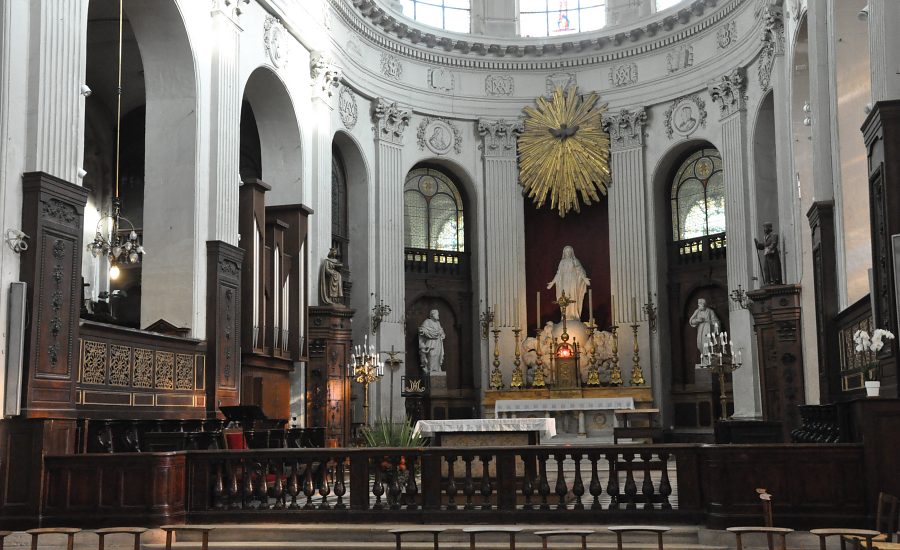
(348, 108)
(391, 66)
(275, 41)
(439, 136)
(623, 75)
(726, 35)
(679, 58)
(441, 79)
(685, 116)
(499, 85)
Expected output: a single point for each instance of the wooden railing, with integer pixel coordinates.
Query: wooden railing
(420, 261)
(700, 249)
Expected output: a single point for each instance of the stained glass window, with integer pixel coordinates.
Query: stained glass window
(666, 4)
(451, 15)
(434, 211)
(558, 17)
(340, 233)
(698, 196)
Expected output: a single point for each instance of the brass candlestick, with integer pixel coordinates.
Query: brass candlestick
(518, 377)
(593, 372)
(496, 375)
(637, 375)
(539, 378)
(615, 372)
(717, 358)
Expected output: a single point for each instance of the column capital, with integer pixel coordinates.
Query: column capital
(325, 74)
(772, 15)
(728, 91)
(390, 120)
(230, 9)
(625, 128)
(499, 136)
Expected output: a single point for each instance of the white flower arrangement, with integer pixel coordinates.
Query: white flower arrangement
(869, 346)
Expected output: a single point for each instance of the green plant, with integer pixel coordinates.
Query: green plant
(384, 433)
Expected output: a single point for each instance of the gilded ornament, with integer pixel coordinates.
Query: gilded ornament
(564, 151)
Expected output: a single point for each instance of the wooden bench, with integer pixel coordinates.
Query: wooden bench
(770, 532)
(398, 533)
(204, 532)
(583, 533)
(654, 434)
(68, 531)
(135, 531)
(3, 535)
(865, 534)
(511, 531)
(619, 530)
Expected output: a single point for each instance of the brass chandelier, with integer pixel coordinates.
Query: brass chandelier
(118, 249)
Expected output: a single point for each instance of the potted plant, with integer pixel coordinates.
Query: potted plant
(393, 472)
(868, 347)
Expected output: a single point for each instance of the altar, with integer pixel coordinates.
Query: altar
(484, 432)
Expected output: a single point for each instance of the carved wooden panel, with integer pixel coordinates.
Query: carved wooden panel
(223, 324)
(328, 387)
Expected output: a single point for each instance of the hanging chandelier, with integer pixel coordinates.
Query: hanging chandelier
(118, 248)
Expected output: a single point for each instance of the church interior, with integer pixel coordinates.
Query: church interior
(458, 268)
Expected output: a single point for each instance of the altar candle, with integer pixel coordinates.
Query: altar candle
(612, 309)
(590, 304)
(633, 310)
(537, 310)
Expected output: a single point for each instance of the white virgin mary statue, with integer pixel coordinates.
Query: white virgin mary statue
(571, 279)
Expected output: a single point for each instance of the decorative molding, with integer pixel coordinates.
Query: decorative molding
(685, 116)
(56, 301)
(499, 136)
(625, 74)
(772, 16)
(347, 108)
(560, 80)
(60, 212)
(766, 64)
(439, 135)
(354, 47)
(276, 41)
(625, 128)
(441, 79)
(366, 18)
(326, 76)
(499, 85)
(232, 9)
(728, 91)
(391, 66)
(229, 267)
(681, 57)
(726, 35)
(391, 120)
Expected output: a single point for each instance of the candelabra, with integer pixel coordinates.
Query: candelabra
(717, 358)
(539, 378)
(650, 310)
(487, 319)
(496, 375)
(379, 312)
(593, 372)
(739, 296)
(365, 368)
(637, 374)
(615, 372)
(518, 377)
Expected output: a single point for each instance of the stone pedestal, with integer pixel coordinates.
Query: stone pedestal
(776, 316)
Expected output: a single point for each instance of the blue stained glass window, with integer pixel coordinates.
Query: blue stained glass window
(698, 196)
(451, 15)
(560, 17)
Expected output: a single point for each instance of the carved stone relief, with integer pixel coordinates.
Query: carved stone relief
(625, 128)
(347, 108)
(499, 136)
(440, 79)
(560, 80)
(391, 120)
(685, 116)
(726, 35)
(326, 76)
(59, 211)
(391, 66)
(728, 91)
(681, 57)
(499, 85)
(625, 74)
(439, 136)
(766, 63)
(276, 41)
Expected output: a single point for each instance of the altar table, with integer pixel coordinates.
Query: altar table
(550, 407)
(487, 431)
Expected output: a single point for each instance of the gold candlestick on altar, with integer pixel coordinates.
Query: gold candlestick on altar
(518, 377)
(593, 372)
(637, 374)
(496, 375)
(615, 372)
(539, 380)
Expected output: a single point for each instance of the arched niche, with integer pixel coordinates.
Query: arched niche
(279, 136)
(765, 172)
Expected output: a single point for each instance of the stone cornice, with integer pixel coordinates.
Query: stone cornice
(373, 23)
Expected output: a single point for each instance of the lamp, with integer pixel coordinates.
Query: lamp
(117, 249)
(740, 297)
(379, 312)
(365, 367)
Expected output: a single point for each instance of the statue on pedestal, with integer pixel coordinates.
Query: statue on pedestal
(331, 283)
(571, 279)
(431, 344)
(771, 264)
(705, 320)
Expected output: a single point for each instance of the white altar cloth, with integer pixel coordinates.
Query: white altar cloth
(507, 406)
(546, 427)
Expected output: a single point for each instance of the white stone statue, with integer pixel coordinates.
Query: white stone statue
(547, 339)
(431, 344)
(602, 344)
(529, 357)
(571, 279)
(705, 320)
(331, 283)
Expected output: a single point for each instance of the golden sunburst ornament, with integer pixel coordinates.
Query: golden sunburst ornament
(564, 152)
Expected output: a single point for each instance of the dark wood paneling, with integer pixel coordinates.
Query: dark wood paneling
(53, 214)
(327, 385)
(223, 325)
(875, 422)
(821, 223)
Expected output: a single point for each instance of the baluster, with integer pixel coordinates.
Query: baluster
(377, 485)
(412, 489)
(262, 484)
(612, 486)
(218, 489)
(544, 487)
(630, 485)
(561, 489)
(247, 496)
(528, 481)
(486, 488)
(324, 485)
(340, 489)
(309, 486)
(451, 483)
(578, 484)
(665, 488)
(647, 487)
(294, 485)
(596, 488)
(278, 487)
(234, 487)
(469, 486)
(394, 489)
